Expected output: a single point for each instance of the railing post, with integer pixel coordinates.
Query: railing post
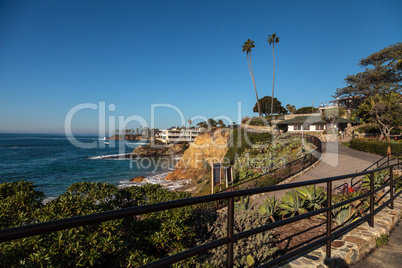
(388, 159)
(230, 231)
(372, 199)
(391, 188)
(329, 222)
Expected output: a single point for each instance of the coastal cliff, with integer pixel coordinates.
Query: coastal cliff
(208, 147)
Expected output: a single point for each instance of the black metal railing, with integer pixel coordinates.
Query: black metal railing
(386, 161)
(279, 174)
(231, 237)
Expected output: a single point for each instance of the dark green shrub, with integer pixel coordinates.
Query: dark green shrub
(372, 129)
(375, 146)
(258, 121)
(375, 129)
(132, 241)
(19, 202)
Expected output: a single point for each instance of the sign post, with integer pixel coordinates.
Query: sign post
(215, 175)
(228, 175)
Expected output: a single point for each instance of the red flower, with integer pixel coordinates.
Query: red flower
(350, 189)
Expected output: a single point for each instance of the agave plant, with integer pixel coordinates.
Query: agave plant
(315, 197)
(269, 208)
(292, 203)
(378, 179)
(344, 214)
(244, 204)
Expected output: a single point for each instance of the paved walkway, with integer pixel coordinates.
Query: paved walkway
(337, 160)
(386, 256)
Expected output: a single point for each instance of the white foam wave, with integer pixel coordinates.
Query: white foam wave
(155, 179)
(110, 156)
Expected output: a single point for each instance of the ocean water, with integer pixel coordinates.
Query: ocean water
(53, 163)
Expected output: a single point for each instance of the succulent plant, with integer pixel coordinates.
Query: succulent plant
(378, 179)
(344, 214)
(270, 208)
(292, 203)
(315, 197)
(244, 204)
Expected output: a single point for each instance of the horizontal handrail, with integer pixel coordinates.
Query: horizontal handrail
(376, 163)
(57, 225)
(46, 227)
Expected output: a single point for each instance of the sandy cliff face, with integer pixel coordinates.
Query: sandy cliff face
(207, 148)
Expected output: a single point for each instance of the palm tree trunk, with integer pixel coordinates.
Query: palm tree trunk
(273, 82)
(250, 69)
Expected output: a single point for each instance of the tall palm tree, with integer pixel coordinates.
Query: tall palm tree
(272, 39)
(248, 45)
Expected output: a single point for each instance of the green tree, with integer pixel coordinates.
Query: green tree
(306, 110)
(202, 124)
(221, 123)
(385, 110)
(331, 114)
(189, 122)
(272, 39)
(382, 74)
(212, 123)
(266, 107)
(248, 45)
(291, 108)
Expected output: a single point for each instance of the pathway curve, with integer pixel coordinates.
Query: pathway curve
(337, 160)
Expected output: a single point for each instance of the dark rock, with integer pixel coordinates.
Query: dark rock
(138, 179)
(337, 243)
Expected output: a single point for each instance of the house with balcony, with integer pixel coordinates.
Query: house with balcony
(179, 135)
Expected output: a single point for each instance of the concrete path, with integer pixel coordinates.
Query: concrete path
(386, 256)
(337, 160)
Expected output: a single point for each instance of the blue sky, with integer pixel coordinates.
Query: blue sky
(55, 55)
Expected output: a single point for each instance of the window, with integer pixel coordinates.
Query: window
(319, 127)
(306, 127)
(297, 127)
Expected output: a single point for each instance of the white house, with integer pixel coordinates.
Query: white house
(178, 135)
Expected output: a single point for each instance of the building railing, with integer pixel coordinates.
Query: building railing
(231, 237)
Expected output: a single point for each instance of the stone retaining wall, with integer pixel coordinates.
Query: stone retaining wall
(258, 128)
(354, 245)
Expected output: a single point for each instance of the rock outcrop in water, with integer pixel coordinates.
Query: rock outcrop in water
(208, 147)
(127, 137)
(158, 150)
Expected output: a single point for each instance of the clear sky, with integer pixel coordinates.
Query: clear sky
(55, 55)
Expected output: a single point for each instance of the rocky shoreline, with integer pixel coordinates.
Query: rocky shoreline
(195, 158)
(127, 137)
